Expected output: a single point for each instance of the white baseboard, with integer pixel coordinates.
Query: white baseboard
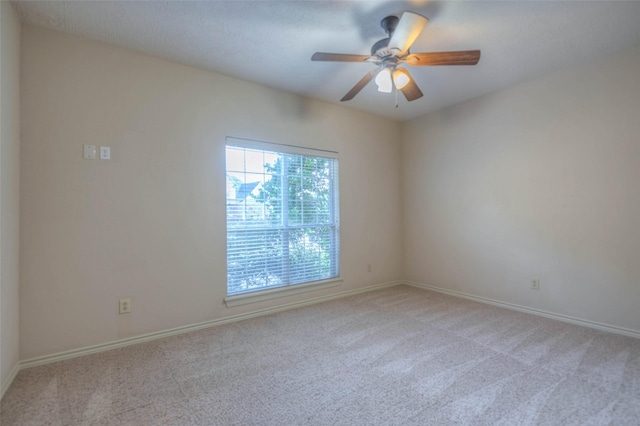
(32, 362)
(7, 382)
(560, 317)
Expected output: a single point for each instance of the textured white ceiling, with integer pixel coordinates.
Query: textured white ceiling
(271, 42)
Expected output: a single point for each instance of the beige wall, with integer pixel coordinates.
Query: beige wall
(9, 190)
(537, 181)
(150, 223)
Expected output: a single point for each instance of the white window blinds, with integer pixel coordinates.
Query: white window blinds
(282, 215)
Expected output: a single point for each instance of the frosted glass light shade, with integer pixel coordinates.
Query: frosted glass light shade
(383, 80)
(401, 78)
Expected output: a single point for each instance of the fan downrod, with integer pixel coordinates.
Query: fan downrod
(389, 25)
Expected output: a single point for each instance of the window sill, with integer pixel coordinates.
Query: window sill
(276, 293)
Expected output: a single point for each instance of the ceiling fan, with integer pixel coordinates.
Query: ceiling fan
(393, 51)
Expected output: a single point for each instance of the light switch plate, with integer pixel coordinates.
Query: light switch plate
(105, 153)
(89, 152)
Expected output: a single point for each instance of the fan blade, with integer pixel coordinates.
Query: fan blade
(411, 91)
(407, 31)
(360, 85)
(338, 57)
(463, 57)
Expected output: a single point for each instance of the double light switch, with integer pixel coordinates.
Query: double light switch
(89, 152)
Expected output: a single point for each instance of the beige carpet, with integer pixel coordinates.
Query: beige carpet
(395, 356)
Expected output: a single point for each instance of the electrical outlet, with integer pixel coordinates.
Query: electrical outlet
(369, 268)
(535, 284)
(125, 306)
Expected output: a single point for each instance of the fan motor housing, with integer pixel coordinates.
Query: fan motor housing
(378, 46)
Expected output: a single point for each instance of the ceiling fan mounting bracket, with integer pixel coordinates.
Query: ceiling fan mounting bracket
(389, 24)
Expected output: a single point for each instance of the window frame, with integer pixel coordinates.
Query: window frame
(288, 289)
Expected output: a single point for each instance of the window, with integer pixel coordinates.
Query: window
(282, 216)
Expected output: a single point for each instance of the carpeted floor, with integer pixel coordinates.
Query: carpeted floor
(395, 356)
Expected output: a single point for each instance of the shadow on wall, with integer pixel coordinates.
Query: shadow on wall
(293, 106)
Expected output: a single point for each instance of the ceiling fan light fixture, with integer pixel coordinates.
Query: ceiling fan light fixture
(394, 50)
(383, 80)
(401, 78)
